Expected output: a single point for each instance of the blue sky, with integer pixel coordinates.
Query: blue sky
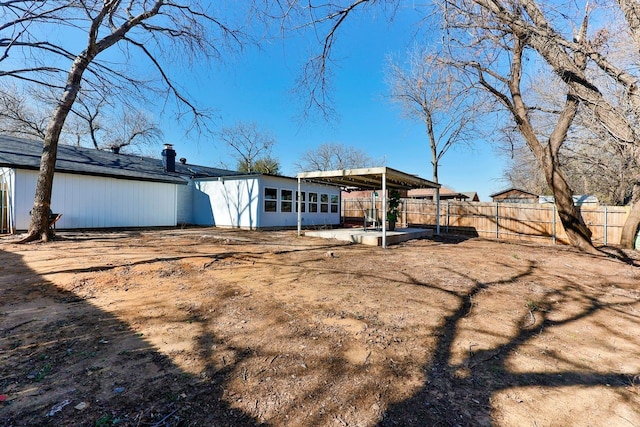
(257, 84)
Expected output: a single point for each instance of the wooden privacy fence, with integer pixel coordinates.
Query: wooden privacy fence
(507, 221)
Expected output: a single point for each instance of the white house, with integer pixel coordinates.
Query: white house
(261, 201)
(102, 189)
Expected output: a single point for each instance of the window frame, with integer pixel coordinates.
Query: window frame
(324, 203)
(270, 201)
(313, 202)
(334, 202)
(303, 202)
(286, 203)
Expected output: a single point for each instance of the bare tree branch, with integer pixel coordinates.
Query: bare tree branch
(429, 90)
(250, 146)
(334, 156)
(149, 27)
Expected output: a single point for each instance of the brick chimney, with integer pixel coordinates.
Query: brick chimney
(169, 158)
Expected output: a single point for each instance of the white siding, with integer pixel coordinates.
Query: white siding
(290, 219)
(227, 202)
(24, 191)
(239, 202)
(185, 203)
(100, 202)
(7, 213)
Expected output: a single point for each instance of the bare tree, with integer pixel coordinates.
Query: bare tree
(90, 124)
(521, 37)
(108, 128)
(593, 163)
(18, 116)
(489, 47)
(430, 91)
(158, 30)
(248, 144)
(333, 156)
(322, 21)
(523, 169)
(508, 90)
(545, 31)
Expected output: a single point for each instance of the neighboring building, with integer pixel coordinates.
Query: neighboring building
(472, 196)
(514, 195)
(366, 194)
(418, 193)
(445, 194)
(577, 200)
(101, 189)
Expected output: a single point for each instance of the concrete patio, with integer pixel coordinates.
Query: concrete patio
(372, 237)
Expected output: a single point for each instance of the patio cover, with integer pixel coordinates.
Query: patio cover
(367, 179)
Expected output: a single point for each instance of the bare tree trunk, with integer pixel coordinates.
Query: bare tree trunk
(577, 231)
(547, 154)
(632, 224)
(187, 26)
(39, 226)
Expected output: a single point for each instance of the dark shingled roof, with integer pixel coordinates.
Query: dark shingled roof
(25, 154)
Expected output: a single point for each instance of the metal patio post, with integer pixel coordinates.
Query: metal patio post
(299, 210)
(384, 210)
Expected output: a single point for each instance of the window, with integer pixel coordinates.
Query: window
(270, 200)
(324, 203)
(313, 202)
(335, 203)
(286, 198)
(302, 202)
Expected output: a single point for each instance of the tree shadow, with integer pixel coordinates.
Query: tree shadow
(461, 394)
(67, 362)
(452, 238)
(620, 255)
(269, 355)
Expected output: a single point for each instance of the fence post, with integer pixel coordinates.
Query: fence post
(554, 223)
(606, 212)
(447, 216)
(497, 226)
(404, 212)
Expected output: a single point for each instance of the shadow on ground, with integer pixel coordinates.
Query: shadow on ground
(460, 394)
(48, 335)
(77, 340)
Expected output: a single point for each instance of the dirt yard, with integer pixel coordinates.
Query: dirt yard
(208, 327)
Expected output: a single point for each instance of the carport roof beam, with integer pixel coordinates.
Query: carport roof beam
(369, 178)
